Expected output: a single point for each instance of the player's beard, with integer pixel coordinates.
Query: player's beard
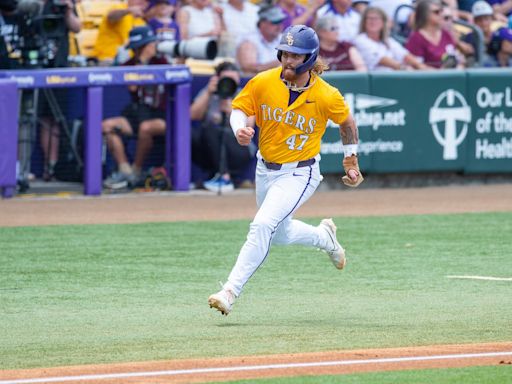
(289, 74)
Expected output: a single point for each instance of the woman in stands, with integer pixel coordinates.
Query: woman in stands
(429, 41)
(381, 52)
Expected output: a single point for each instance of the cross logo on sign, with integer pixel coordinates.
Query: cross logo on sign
(450, 107)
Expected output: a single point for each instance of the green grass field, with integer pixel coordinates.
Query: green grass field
(472, 375)
(112, 293)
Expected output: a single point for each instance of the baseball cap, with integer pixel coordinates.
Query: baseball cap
(326, 23)
(481, 8)
(140, 36)
(271, 13)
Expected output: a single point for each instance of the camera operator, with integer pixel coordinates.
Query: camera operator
(62, 14)
(214, 147)
(7, 27)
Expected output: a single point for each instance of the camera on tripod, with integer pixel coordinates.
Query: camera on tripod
(39, 33)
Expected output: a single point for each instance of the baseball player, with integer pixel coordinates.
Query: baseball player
(292, 105)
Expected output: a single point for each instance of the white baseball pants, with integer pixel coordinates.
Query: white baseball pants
(278, 194)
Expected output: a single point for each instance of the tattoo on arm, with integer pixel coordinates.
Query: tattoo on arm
(348, 131)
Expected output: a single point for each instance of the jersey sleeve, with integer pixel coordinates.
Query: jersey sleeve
(245, 99)
(338, 109)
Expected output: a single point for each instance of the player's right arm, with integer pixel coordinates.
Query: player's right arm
(239, 123)
(244, 108)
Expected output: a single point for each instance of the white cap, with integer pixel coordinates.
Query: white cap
(481, 8)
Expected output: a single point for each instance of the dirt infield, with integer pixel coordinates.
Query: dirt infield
(135, 208)
(252, 367)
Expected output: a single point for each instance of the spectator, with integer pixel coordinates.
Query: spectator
(339, 56)
(483, 16)
(198, 19)
(214, 147)
(348, 19)
(429, 41)
(257, 52)
(381, 52)
(146, 114)
(115, 27)
(161, 20)
(465, 51)
(500, 48)
(240, 18)
(298, 14)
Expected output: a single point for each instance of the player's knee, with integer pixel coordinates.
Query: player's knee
(262, 226)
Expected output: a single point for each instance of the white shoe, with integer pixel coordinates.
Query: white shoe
(336, 252)
(222, 301)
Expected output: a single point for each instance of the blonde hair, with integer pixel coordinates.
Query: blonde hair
(319, 67)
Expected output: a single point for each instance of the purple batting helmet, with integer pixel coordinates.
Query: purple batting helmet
(302, 40)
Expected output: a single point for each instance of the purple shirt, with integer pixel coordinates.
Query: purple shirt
(431, 54)
(165, 31)
(299, 10)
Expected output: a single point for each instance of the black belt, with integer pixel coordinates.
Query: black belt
(277, 166)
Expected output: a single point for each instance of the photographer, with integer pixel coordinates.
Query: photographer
(214, 147)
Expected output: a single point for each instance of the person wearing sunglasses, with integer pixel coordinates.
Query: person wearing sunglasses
(429, 41)
(257, 51)
(338, 56)
(465, 51)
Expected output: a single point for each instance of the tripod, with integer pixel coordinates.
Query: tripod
(29, 102)
(223, 161)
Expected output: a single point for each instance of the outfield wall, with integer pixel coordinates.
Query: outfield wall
(454, 121)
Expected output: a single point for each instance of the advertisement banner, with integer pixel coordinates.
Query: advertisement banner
(423, 124)
(489, 143)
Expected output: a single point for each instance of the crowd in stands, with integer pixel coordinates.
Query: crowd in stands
(355, 35)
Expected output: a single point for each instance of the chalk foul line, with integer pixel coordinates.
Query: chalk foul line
(491, 278)
(253, 368)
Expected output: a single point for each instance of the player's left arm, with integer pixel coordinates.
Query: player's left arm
(350, 138)
(339, 112)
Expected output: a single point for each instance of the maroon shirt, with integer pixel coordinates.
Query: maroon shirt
(151, 95)
(432, 54)
(339, 59)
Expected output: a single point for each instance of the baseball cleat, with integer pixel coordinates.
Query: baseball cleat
(336, 252)
(222, 301)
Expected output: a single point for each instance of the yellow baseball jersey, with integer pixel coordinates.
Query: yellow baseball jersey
(290, 133)
(113, 35)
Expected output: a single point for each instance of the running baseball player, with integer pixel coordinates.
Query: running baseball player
(292, 105)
